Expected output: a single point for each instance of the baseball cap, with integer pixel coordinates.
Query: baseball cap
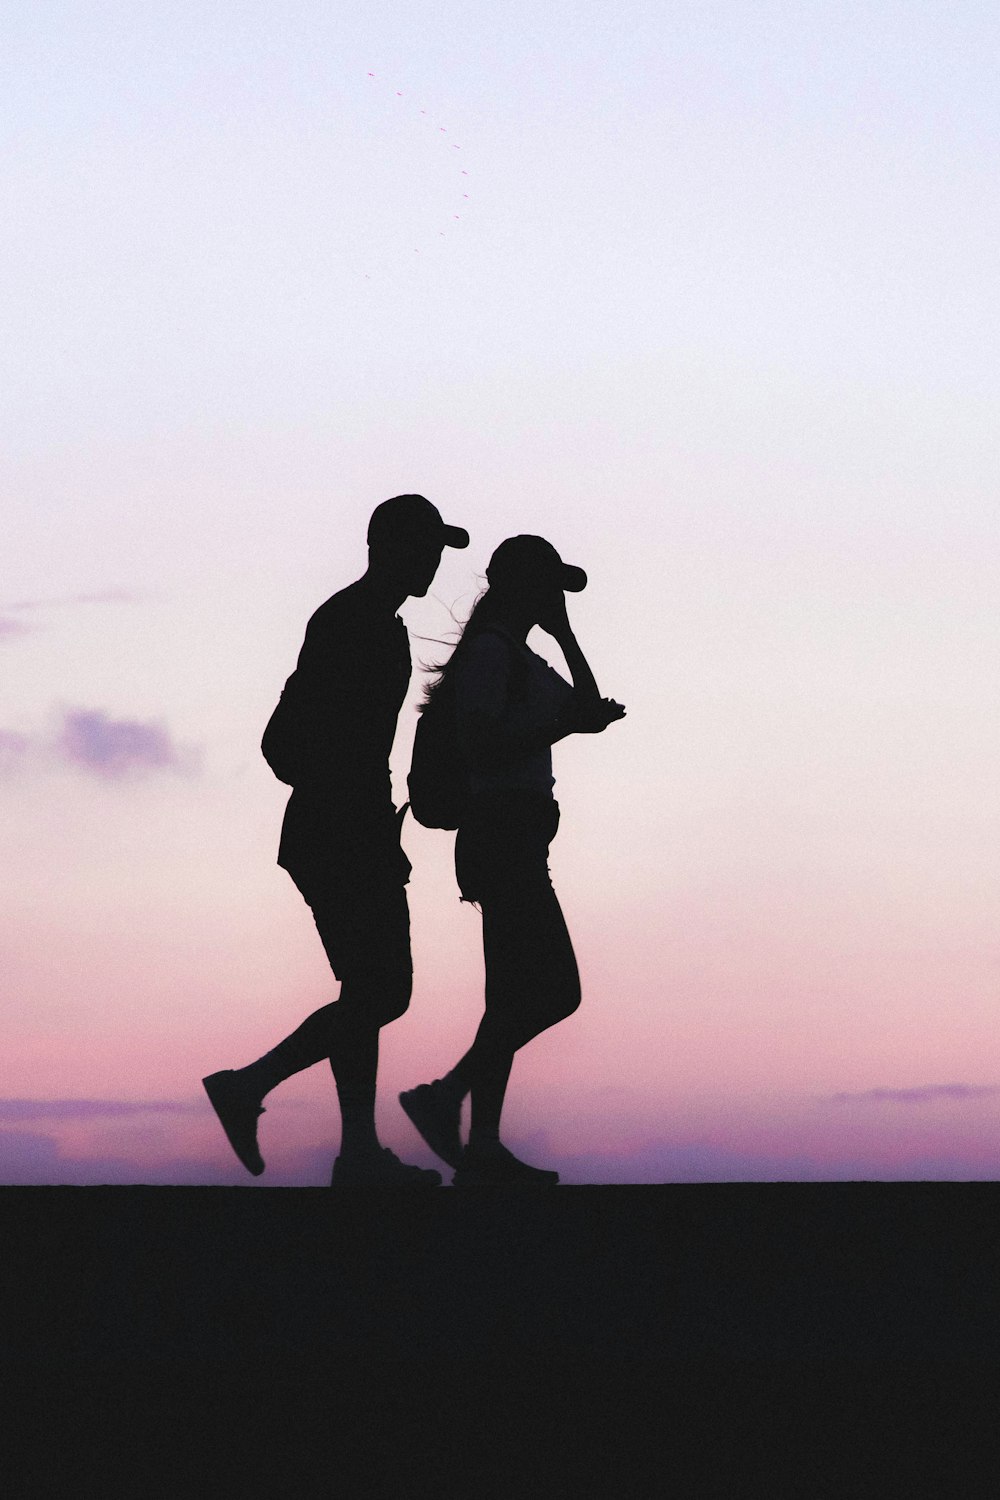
(412, 518)
(529, 558)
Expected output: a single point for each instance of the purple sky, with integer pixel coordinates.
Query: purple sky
(719, 317)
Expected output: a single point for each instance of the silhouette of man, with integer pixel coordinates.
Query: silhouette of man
(340, 842)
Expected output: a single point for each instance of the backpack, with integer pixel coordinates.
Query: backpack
(284, 735)
(439, 784)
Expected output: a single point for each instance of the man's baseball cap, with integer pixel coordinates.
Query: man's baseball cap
(412, 518)
(529, 559)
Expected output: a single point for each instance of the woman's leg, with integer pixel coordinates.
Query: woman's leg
(531, 974)
(532, 982)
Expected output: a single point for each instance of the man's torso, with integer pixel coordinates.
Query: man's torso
(351, 680)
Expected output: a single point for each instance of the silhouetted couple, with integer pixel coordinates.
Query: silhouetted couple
(330, 738)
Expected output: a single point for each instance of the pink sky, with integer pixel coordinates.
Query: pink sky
(721, 321)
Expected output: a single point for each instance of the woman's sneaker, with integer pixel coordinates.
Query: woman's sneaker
(495, 1166)
(437, 1114)
(381, 1168)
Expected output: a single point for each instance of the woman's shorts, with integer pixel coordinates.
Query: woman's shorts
(502, 845)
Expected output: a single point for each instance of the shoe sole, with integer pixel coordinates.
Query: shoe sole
(414, 1113)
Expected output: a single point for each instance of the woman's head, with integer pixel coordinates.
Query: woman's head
(526, 579)
(528, 568)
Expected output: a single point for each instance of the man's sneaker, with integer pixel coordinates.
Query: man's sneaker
(238, 1112)
(495, 1166)
(437, 1114)
(381, 1169)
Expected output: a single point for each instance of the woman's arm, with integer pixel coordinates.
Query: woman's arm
(586, 712)
(482, 685)
(555, 622)
(590, 717)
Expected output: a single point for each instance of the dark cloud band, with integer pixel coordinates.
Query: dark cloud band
(925, 1094)
(18, 1111)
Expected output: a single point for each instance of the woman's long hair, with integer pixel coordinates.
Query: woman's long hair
(483, 615)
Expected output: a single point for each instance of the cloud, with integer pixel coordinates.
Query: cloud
(89, 740)
(13, 749)
(12, 629)
(922, 1095)
(26, 1158)
(100, 596)
(30, 1159)
(656, 1161)
(20, 1110)
(115, 748)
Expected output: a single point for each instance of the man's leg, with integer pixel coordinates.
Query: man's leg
(354, 1062)
(377, 972)
(367, 940)
(237, 1094)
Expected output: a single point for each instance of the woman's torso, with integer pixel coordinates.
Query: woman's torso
(504, 691)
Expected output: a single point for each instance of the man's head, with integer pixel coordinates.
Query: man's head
(406, 537)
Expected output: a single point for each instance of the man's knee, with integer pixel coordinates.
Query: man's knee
(393, 998)
(382, 995)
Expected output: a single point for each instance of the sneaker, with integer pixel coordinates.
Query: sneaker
(238, 1114)
(495, 1166)
(381, 1169)
(437, 1114)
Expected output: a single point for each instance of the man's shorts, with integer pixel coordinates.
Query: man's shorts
(364, 927)
(358, 901)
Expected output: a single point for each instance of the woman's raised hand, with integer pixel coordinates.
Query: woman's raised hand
(595, 714)
(553, 617)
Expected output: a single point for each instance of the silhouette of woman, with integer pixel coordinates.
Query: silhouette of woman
(511, 708)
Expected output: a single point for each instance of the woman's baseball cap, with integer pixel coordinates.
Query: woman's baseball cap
(522, 559)
(412, 518)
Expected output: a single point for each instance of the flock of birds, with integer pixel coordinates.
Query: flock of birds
(463, 171)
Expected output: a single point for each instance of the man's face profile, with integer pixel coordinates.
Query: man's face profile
(425, 559)
(413, 560)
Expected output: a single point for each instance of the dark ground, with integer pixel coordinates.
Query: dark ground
(800, 1339)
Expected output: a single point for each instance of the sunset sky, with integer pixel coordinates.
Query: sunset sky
(704, 291)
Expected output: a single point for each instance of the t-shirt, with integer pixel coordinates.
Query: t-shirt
(350, 682)
(503, 691)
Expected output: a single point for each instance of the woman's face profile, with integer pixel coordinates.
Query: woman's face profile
(539, 596)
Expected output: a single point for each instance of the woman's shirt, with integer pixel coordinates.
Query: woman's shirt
(504, 692)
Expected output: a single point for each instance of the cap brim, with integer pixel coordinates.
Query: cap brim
(573, 579)
(454, 536)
